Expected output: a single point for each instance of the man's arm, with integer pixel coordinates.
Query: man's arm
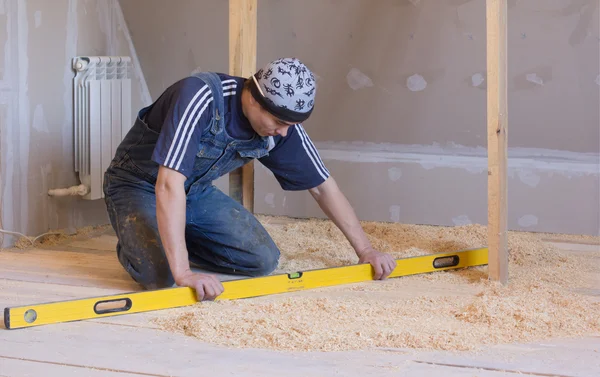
(297, 165)
(170, 215)
(335, 205)
(175, 153)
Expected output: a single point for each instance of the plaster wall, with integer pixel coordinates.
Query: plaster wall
(38, 39)
(401, 108)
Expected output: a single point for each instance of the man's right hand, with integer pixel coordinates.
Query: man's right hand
(207, 286)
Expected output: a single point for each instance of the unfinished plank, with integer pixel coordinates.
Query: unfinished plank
(21, 366)
(86, 267)
(103, 242)
(24, 292)
(242, 62)
(561, 357)
(497, 127)
(158, 353)
(184, 356)
(493, 369)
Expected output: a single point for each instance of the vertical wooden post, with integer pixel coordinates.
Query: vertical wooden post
(242, 62)
(497, 127)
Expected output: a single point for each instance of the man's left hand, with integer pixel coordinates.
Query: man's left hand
(382, 263)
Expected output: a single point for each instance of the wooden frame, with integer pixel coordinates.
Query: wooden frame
(242, 62)
(497, 128)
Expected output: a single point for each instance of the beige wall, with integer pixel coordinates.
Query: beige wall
(400, 118)
(355, 41)
(399, 153)
(364, 56)
(173, 38)
(38, 39)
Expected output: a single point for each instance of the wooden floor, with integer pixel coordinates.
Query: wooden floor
(130, 345)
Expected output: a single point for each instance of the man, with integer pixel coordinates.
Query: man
(159, 193)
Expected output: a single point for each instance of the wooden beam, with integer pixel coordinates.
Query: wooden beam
(497, 127)
(242, 62)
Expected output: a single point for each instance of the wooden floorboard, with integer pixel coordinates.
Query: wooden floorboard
(130, 345)
(154, 353)
(92, 268)
(24, 367)
(150, 352)
(567, 357)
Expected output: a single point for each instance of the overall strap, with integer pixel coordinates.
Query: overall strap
(216, 86)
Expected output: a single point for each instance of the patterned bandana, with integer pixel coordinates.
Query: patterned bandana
(286, 88)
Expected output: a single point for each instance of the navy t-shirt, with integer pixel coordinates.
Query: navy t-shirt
(184, 109)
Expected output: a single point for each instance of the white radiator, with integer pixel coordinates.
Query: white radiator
(101, 114)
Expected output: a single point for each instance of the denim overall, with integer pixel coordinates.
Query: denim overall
(221, 235)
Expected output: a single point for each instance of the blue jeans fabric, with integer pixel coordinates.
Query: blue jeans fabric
(221, 235)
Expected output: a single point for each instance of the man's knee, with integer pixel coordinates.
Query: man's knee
(264, 260)
(147, 265)
(250, 248)
(156, 279)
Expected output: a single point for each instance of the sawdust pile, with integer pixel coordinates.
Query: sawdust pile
(60, 237)
(454, 310)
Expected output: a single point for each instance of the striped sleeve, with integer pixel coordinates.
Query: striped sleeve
(189, 111)
(295, 161)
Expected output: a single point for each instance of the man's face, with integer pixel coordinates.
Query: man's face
(263, 122)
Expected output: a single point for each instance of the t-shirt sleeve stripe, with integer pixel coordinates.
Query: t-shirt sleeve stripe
(312, 152)
(294, 161)
(189, 134)
(183, 132)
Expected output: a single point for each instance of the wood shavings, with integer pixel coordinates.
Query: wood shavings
(452, 310)
(60, 237)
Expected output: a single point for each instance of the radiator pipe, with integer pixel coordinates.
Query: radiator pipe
(81, 190)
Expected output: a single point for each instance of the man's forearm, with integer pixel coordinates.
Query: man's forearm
(335, 205)
(170, 213)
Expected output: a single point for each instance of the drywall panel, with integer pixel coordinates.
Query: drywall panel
(41, 38)
(401, 71)
(410, 75)
(413, 72)
(175, 38)
(3, 38)
(548, 192)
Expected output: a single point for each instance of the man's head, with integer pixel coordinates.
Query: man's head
(279, 95)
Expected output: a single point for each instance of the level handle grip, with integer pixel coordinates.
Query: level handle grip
(113, 306)
(447, 261)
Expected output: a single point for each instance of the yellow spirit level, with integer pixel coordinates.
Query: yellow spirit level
(136, 302)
